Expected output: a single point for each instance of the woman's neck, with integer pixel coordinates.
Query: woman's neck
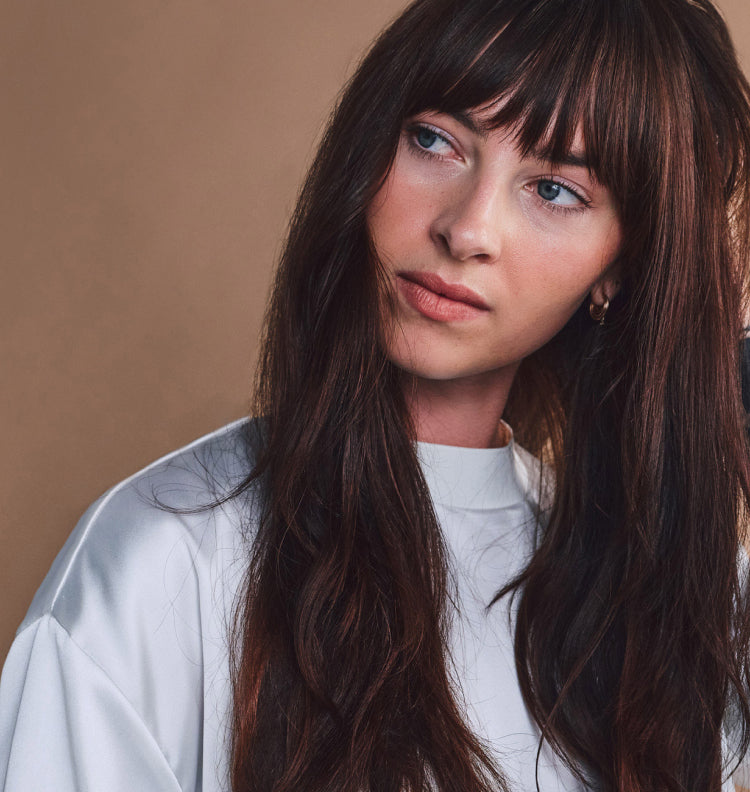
(464, 412)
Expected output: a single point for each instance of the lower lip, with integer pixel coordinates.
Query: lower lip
(436, 306)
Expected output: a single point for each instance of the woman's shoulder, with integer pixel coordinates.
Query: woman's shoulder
(157, 548)
(127, 638)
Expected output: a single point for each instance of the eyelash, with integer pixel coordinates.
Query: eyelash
(581, 207)
(414, 129)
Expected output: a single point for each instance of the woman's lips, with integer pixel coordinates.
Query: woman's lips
(434, 298)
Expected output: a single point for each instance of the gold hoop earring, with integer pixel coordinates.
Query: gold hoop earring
(598, 312)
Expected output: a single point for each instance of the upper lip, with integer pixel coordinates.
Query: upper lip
(453, 291)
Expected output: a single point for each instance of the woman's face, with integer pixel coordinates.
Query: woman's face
(488, 253)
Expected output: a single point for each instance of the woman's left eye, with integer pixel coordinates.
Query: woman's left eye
(558, 194)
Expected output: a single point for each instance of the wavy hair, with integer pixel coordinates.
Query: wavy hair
(633, 626)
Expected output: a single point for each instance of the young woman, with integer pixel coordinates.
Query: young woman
(528, 214)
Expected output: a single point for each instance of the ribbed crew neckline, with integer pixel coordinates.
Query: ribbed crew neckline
(472, 478)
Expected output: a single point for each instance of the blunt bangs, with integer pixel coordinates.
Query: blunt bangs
(554, 69)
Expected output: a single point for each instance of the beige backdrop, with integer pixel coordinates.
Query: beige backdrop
(150, 154)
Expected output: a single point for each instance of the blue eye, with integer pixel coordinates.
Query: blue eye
(548, 190)
(426, 137)
(552, 191)
(428, 141)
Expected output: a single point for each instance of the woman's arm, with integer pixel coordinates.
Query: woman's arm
(65, 726)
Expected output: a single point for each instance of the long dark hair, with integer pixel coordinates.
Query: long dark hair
(633, 626)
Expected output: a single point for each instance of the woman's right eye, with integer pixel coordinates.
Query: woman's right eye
(429, 141)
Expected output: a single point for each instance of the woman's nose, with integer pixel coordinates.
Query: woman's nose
(469, 225)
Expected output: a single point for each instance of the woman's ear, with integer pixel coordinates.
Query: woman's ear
(605, 289)
(602, 292)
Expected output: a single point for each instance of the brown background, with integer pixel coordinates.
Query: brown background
(149, 156)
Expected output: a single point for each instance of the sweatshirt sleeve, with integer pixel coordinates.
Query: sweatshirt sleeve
(66, 727)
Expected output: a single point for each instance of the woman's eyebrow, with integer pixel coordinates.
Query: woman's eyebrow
(575, 158)
(468, 121)
(578, 159)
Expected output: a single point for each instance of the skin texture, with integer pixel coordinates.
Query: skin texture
(531, 239)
